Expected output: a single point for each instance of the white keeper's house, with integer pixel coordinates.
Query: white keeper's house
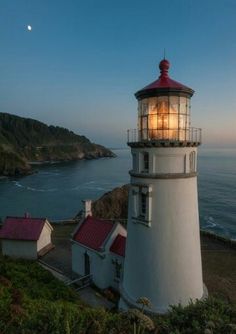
(98, 249)
(26, 237)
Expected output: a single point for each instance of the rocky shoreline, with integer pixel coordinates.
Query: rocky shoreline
(26, 142)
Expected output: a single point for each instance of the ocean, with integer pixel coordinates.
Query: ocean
(56, 190)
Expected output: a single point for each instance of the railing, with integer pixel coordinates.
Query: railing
(193, 135)
(82, 281)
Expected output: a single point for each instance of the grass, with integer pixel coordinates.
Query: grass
(32, 301)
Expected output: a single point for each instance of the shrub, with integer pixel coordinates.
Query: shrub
(32, 301)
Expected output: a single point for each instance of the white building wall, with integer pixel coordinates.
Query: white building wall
(45, 237)
(98, 265)
(164, 160)
(110, 267)
(163, 260)
(114, 281)
(77, 258)
(101, 267)
(20, 249)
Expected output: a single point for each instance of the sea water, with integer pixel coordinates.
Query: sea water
(217, 191)
(56, 190)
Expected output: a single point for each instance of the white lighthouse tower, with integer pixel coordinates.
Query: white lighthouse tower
(163, 258)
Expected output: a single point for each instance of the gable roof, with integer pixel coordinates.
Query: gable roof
(118, 246)
(93, 232)
(22, 228)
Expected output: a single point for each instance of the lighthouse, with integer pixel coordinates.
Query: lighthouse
(163, 256)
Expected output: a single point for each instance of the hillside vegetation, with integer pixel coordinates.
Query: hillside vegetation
(32, 301)
(24, 140)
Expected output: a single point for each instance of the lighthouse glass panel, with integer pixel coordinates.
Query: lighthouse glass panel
(164, 118)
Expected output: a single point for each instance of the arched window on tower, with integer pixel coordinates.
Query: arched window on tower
(192, 162)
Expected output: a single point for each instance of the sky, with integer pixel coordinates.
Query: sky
(82, 62)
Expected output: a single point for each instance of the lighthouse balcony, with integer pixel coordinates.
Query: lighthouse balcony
(164, 138)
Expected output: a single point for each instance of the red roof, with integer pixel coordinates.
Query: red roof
(93, 232)
(22, 228)
(118, 246)
(164, 82)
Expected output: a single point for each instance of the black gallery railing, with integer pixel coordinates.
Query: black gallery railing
(180, 135)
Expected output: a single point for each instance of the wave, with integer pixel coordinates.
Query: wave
(94, 188)
(210, 224)
(50, 173)
(41, 190)
(98, 186)
(19, 185)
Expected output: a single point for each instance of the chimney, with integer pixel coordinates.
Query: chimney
(87, 207)
(27, 215)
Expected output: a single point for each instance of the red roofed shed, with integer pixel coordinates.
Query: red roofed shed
(25, 237)
(98, 248)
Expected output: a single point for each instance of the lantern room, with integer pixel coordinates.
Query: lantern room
(164, 111)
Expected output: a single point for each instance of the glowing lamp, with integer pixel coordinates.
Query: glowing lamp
(164, 109)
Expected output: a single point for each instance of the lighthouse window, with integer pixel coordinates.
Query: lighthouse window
(134, 161)
(174, 104)
(192, 161)
(143, 205)
(145, 162)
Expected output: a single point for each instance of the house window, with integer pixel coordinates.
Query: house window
(192, 162)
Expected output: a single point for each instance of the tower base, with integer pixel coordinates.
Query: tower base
(126, 303)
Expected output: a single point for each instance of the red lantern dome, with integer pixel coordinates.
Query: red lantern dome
(164, 112)
(164, 84)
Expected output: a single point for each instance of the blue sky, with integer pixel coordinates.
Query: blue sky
(83, 61)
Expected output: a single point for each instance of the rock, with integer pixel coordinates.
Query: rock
(113, 204)
(12, 164)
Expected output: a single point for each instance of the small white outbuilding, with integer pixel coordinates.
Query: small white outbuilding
(26, 237)
(98, 249)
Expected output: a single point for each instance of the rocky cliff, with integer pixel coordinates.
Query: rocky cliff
(24, 140)
(113, 204)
